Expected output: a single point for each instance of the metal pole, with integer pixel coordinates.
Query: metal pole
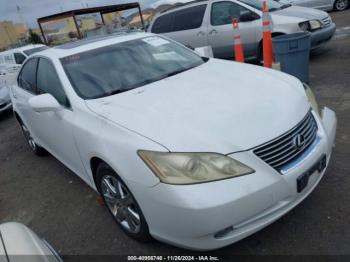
(140, 12)
(42, 33)
(76, 25)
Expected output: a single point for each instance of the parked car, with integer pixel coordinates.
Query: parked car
(19, 243)
(14, 58)
(327, 5)
(192, 151)
(5, 80)
(203, 23)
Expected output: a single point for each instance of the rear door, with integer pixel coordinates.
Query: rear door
(220, 29)
(320, 4)
(23, 90)
(185, 26)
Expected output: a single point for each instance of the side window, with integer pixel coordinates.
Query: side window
(27, 77)
(222, 13)
(48, 82)
(189, 18)
(163, 24)
(19, 58)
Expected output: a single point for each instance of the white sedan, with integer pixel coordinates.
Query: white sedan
(20, 244)
(327, 5)
(192, 151)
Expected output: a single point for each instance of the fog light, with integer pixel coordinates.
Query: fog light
(224, 232)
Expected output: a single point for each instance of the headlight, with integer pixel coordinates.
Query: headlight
(193, 168)
(310, 25)
(315, 24)
(310, 95)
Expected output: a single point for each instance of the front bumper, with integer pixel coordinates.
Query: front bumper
(322, 36)
(5, 99)
(194, 216)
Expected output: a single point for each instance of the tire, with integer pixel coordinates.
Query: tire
(341, 5)
(121, 204)
(36, 149)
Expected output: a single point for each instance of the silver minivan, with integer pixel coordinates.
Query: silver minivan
(209, 23)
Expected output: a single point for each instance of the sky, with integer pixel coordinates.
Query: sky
(30, 10)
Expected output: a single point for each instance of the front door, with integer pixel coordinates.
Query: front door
(220, 29)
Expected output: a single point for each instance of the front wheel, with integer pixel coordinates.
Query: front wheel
(341, 5)
(121, 204)
(38, 150)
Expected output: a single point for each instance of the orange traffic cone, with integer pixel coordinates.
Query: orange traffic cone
(239, 55)
(267, 38)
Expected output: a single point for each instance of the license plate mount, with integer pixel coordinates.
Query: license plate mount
(303, 180)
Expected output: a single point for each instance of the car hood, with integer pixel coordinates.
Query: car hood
(302, 12)
(220, 106)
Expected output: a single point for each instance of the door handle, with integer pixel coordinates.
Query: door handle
(200, 33)
(15, 96)
(214, 31)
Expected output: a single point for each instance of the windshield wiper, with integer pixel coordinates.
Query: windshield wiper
(117, 91)
(285, 6)
(179, 71)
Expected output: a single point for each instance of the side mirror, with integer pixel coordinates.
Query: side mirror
(205, 51)
(44, 103)
(247, 16)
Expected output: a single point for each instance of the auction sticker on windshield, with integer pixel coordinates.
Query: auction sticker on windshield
(155, 41)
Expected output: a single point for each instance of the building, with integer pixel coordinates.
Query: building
(12, 34)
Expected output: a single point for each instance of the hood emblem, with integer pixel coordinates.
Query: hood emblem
(299, 141)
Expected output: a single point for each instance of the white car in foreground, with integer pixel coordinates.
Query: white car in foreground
(20, 244)
(196, 152)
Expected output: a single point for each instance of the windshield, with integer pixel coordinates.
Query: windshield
(121, 67)
(35, 50)
(273, 5)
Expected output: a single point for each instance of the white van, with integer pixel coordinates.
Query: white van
(209, 23)
(14, 58)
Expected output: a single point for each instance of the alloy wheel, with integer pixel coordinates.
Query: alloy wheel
(29, 138)
(341, 5)
(121, 204)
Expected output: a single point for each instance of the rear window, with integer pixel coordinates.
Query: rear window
(19, 58)
(35, 50)
(185, 19)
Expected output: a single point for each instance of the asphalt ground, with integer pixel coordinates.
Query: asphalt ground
(43, 194)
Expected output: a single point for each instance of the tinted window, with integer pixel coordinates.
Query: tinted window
(35, 50)
(163, 24)
(19, 58)
(27, 77)
(189, 18)
(121, 67)
(222, 13)
(48, 82)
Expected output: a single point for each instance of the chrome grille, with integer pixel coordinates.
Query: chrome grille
(284, 149)
(326, 21)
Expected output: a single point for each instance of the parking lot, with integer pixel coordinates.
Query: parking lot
(51, 200)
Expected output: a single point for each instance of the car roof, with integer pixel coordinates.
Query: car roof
(180, 5)
(27, 47)
(21, 49)
(90, 44)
